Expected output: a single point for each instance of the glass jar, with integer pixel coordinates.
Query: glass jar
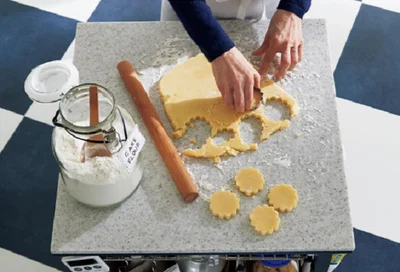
(94, 180)
(102, 180)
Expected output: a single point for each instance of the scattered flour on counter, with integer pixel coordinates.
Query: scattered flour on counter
(283, 161)
(207, 187)
(219, 167)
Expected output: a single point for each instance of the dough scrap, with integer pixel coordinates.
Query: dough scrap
(209, 150)
(249, 181)
(283, 197)
(189, 92)
(224, 204)
(264, 219)
(272, 91)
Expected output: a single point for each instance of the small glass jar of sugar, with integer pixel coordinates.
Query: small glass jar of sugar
(96, 143)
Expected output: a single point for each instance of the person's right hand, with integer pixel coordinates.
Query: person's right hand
(236, 79)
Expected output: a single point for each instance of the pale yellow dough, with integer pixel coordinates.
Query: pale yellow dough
(264, 219)
(224, 204)
(189, 93)
(283, 197)
(209, 150)
(249, 181)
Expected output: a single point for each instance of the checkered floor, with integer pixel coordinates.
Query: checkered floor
(364, 43)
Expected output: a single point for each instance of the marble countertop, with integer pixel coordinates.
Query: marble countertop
(154, 220)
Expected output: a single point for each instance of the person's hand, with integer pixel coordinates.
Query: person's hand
(284, 36)
(236, 79)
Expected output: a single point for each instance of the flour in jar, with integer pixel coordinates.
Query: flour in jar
(97, 170)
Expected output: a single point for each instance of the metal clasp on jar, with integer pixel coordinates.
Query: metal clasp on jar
(111, 137)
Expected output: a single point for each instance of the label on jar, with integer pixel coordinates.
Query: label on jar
(131, 149)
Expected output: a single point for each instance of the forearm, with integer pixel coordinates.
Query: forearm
(298, 7)
(202, 27)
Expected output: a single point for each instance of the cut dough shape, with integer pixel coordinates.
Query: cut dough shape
(264, 219)
(249, 181)
(283, 197)
(224, 204)
(189, 92)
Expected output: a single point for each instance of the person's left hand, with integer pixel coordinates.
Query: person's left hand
(284, 36)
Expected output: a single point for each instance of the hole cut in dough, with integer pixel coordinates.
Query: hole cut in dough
(189, 93)
(276, 110)
(224, 204)
(250, 130)
(249, 181)
(264, 219)
(283, 197)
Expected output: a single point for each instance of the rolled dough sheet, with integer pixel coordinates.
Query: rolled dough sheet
(189, 93)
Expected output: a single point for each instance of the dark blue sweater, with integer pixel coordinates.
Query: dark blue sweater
(207, 33)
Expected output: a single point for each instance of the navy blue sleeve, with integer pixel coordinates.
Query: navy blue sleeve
(202, 27)
(298, 7)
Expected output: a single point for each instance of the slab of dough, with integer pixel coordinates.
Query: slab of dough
(249, 181)
(224, 204)
(189, 93)
(264, 219)
(283, 197)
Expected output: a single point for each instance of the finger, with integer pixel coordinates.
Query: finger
(238, 98)
(294, 57)
(248, 93)
(260, 51)
(266, 62)
(300, 52)
(257, 80)
(221, 89)
(228, 98)
(285, 63)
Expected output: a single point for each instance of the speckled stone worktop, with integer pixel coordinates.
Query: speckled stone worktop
(154, 220)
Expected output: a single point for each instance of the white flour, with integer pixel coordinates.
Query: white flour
(100, 181)
(98, 170)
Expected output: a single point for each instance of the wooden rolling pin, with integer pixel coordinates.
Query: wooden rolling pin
(164, 144)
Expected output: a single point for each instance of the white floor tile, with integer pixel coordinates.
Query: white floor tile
(69, 54)
(371, 139)
(392, 5)
(80, 10)
(340, 16)
(10, 261)
(9, 122)
(42, 112)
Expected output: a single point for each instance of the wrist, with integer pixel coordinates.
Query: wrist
(291, 10)
(288, 14)
(225, 55)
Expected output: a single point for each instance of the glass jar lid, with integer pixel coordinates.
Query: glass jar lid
(49, 81)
